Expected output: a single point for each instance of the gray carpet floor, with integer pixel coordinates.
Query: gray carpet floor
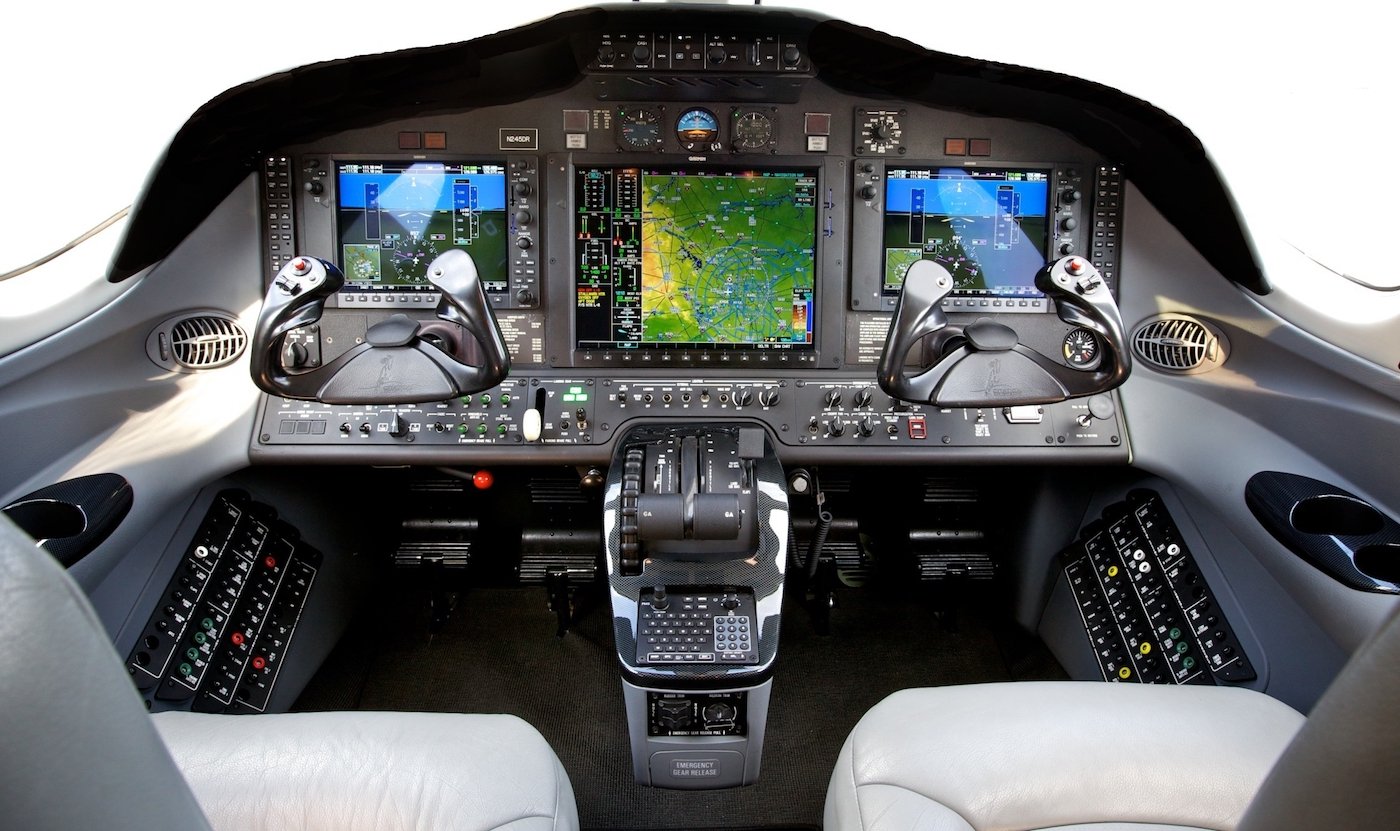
(498, 654)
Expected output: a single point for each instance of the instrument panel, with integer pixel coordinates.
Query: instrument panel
(729, 248)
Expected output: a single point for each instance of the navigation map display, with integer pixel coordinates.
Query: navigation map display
(396, 217)
(988, 227)
(699, 259)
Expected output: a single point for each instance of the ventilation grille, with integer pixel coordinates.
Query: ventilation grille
(1179, 344)
(197, 340)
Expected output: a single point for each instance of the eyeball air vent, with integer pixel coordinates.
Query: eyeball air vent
(196, 340)
(1179, 344)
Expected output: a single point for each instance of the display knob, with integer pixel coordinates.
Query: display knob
(866, 426)
(1069, 223)
(659, 601)
(791, 56)
(525, 297)
(832, 398)
(641, 53)
(836, 427)
(864, 397)
(730, 601)
(770, 398)
(868, 192)
(523, 217)
(1067, 248)
(1072, 195)
(314, 187)
(523, 243)
(743, 398)
(521, 188)
(606, 54)
(716, 55)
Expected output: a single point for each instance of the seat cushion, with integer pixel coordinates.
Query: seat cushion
(1035, 755)
(370, 770)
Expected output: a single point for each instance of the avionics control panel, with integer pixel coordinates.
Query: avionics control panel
(726, 246)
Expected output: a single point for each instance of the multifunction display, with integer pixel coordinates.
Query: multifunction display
(988, 227)
(396, 217)
(696, 259)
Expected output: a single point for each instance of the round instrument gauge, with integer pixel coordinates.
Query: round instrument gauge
(697, 129)
(639, 129)
(753, 131)
(1081, 349)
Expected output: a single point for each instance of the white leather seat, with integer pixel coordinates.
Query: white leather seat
(1122, 757)
(371, 771)
(1036, 755)
(79, 750)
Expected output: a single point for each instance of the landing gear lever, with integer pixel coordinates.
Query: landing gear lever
(984, 364)
(394, 365)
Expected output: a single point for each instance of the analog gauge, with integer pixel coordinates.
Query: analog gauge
(753, 131)
(697, 129)
(639, 129)
(1081, 349)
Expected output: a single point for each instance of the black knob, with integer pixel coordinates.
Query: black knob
(770, 398)
(523, 217)
(884, 131)
(521, 188)
(345, 428)
(864, 397)
(837, 427)
(1069, 223)
(398, 428)
(659, 601)
(297, 355)
(314, 187)
(867, 192)
(866, 426)
(525, 297)
(730, 601)
(791, 56)
(641, 53)
(365, 429)
(523, 243)
(1067, 248)
(1072, 196)
(743, 398)
(716, 55)
(606, 54)
(832, 398)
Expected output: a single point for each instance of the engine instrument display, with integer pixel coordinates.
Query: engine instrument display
(987, 226)
(395, 218)
(694, 258)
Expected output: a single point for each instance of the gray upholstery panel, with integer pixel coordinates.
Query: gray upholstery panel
(76, 745)
(1343, 768)
(348, 771)
(1046, 754)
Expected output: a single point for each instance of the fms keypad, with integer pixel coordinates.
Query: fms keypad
(694, 626)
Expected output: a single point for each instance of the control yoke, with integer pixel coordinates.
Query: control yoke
(984, 364)
(394, 364)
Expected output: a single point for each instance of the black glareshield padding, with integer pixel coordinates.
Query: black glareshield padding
(983, 364)
(394, 365)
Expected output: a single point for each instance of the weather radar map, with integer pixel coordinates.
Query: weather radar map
(987, 227)
(397, 217)
(693, 259)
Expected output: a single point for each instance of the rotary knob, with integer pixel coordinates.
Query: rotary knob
(864, 396)
(832, 398)
(836, 427)
(770, 398)
(866, 426)
(743, 398)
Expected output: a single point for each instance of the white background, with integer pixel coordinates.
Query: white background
(1294, 102)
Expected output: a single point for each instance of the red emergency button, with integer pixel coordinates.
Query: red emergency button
(483, 480)
(918, 428)
(1076, 266)
(237, 638)
(300, 265)
(259, 662)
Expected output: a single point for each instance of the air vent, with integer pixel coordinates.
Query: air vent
(196, 340)
(1179, 344)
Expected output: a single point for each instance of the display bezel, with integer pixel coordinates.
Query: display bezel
(718, 353)
(493, 277)
(1003, 290)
